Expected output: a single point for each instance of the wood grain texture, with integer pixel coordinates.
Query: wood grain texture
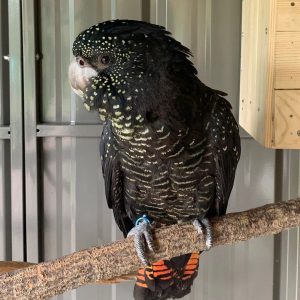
(269, 102)
(288, 15)
(117, 259)
(287, 60)
(256, 86)
(287, 119)
(270, 62)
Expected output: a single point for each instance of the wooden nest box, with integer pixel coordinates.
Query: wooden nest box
(270, 72)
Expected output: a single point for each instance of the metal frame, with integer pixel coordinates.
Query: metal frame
(4, 132)
(30, 142)
(48, 130)
(5, 214)
(288, 250)
(16, 128)
(32, 131)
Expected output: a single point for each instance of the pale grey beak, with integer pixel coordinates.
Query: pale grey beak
(79, 77)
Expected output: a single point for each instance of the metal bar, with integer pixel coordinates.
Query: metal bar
(145, 10)
(5, 251)
(16, 118)
(48, 130)
(161, 13)
(3, 232)
(5, 132)
(4, 89)
(113, 9)
(208, 38)
(1, 66)
(30, 141)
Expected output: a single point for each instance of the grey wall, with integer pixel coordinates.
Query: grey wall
(64, 204)
(5, 174)
(287, 261)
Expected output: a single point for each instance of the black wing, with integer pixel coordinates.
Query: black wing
(225, 141)
(113, 179)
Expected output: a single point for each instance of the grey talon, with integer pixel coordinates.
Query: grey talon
(204, 223)
(142, 238)
(198, 226)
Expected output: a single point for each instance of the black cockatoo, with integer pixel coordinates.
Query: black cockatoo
(169, 147)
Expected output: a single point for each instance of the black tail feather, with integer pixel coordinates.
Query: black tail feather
(167, 279)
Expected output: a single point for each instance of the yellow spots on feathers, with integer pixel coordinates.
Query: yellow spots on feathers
(127, 130)
(144, 132)
(161, 129)
(117, 125)
(87, 107)
(126, 137)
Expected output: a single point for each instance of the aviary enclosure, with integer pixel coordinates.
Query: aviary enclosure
(52, 199)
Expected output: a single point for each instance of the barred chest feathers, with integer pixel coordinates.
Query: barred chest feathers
(164, 168)
(144, 140)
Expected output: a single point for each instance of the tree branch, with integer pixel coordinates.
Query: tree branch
(118, 259)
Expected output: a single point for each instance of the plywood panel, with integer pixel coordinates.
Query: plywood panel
(270, 61)
(287, 60)
(288, 15)
(287, 119)
(256, 68)
(248, 25)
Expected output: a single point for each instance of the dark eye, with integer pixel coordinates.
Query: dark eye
(105, 59)
(80, 61)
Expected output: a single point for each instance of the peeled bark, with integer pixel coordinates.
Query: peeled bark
(114, 261)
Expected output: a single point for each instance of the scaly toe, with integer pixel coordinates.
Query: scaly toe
(198, 226)
(142, 238)
(204, 223)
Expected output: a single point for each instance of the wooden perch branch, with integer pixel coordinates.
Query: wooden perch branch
(117, 259)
